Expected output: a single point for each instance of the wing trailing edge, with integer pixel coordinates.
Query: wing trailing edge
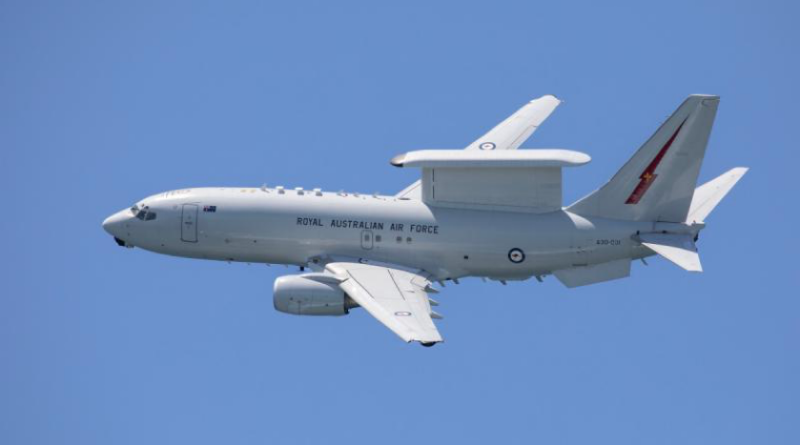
(395, 297)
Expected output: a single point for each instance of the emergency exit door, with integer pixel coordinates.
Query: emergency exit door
(189, 223)
(366, 239)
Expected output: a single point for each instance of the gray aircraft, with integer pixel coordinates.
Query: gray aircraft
(488, 211)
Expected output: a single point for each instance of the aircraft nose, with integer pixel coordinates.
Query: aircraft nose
(114, 223)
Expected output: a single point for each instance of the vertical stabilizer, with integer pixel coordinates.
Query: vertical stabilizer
(658, 182)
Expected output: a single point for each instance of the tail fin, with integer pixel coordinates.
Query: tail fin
(707, 196)
(657, 183)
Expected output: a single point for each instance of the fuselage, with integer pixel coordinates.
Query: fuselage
(276, 226)
(487, 211)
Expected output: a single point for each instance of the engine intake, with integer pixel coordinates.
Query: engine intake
(310, 294)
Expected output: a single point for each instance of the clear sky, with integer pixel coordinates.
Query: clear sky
(103, 103)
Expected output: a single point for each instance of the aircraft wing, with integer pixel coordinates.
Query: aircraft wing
(507, 135)
(397, 298)
(517, 128)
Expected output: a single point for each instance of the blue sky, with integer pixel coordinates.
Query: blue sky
(103, 103)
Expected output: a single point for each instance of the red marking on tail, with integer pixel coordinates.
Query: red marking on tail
(649, 175)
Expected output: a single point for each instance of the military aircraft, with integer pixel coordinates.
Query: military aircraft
(488, 211)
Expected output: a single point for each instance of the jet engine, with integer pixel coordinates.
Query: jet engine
(311, 294)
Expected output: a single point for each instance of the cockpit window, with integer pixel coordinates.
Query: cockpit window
(144, 213)
(135, 209)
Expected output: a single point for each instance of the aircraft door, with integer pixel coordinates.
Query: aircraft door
(189, 223)
(366, 239)
(583, 245)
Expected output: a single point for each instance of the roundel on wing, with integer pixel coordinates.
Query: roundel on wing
(516, 255)
(487, 146)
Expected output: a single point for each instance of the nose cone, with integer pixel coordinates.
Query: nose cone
(114, 224)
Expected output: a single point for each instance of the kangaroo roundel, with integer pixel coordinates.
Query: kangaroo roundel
(516, 255)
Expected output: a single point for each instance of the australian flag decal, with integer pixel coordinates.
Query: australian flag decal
(210, 208)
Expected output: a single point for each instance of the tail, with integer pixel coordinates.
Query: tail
(707, 196)
(657, 183)
(679, 247)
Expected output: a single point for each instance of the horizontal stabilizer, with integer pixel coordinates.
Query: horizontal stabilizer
(679, 249)
(707, 196)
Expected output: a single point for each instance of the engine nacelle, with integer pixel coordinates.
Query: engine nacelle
(310, 294)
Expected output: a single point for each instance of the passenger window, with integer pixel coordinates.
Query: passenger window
(377, 238)
(399, 239)
(408, 240)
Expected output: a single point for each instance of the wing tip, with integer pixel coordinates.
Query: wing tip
(428, 344)
(435, 338)
(547, 97)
